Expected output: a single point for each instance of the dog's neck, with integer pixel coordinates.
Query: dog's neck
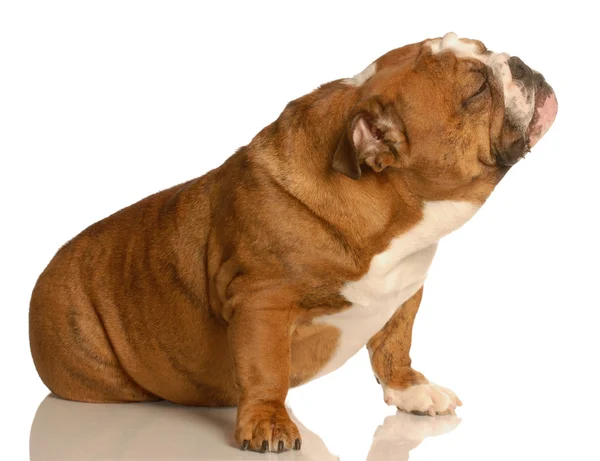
(302, 141)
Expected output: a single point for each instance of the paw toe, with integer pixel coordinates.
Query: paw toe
(266, 430)
(423, 399)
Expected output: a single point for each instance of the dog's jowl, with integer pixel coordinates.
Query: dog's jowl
(304, 246)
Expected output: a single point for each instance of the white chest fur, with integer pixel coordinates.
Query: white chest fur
(393, 277)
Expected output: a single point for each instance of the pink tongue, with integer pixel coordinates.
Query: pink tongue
(542, 119)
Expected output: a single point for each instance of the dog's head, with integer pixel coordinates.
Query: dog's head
(446, 111)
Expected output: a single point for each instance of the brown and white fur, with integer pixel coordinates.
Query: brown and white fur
(304, 246)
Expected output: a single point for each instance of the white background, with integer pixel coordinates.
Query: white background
(103, 103)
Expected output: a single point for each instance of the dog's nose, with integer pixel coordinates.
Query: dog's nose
(519, 70)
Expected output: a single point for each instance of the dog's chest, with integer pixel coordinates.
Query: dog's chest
(393, 277)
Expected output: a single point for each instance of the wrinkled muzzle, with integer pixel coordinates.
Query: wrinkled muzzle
(530, 103)
(545, 109)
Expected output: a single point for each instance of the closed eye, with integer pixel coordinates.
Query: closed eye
(480, 92)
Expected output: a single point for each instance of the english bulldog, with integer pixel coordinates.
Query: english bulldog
(304, 246)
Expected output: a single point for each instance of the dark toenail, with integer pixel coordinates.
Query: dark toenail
(377, 379)
(280, 446)
(265, 446)
(245, 444)
(297, 444)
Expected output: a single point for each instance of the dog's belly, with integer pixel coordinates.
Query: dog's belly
(375, 298)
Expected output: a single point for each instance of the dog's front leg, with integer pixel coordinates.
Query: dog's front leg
(260, 338)
(402, 386)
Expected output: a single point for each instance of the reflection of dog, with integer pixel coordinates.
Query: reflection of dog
(402, 432)
(72, 431)
(301, 248)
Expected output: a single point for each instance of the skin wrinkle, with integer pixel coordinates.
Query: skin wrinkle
(84, 347)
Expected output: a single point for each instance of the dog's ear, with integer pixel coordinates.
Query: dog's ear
(375, 135)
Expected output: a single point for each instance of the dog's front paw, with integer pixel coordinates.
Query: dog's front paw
(266, 427)
(428, 398)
